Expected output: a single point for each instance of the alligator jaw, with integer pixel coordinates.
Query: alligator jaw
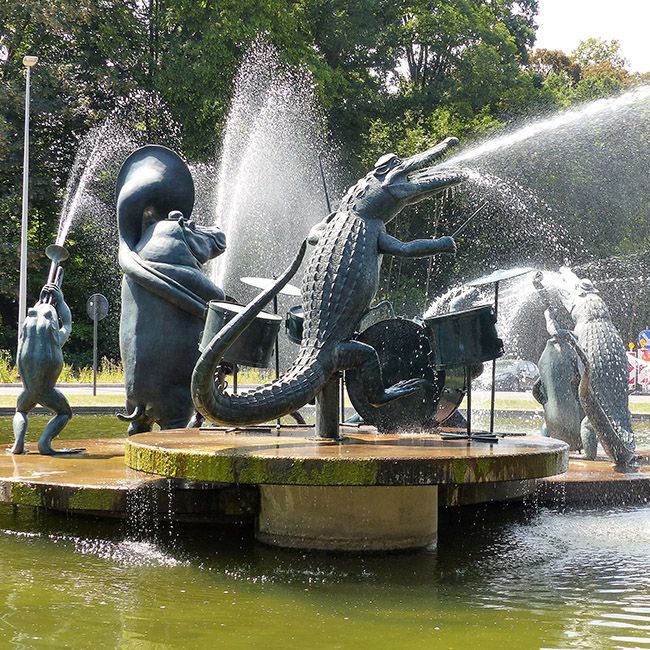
(416, 178)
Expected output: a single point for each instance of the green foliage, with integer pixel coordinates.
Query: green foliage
(391, 76)
(597, 51)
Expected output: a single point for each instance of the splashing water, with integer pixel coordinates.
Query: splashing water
(560, 123)
(570, 190)
(269, 190)
(100, 147)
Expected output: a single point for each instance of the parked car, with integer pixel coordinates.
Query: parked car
(511, 375)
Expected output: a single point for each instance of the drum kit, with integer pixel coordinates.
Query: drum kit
(259, 342)
(445, 351)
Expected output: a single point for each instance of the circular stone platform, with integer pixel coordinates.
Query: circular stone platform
(366, 491)
(597, 482)
(361, 458)
(97, 482)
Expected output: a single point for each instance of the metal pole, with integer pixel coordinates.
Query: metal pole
(95, 348)
(22, 292)
(277, 348)
(494, 361)
(322, 177)
(468, 380)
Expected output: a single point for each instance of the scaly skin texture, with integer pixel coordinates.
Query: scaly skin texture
(603, 389)
(340, 282)
(602, 365)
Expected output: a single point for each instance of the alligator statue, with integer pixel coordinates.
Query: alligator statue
(557, 387)
(164, 290)
(602, 365)
(44, 332)
(340, 282)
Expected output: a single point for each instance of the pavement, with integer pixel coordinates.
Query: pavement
(110, 400)
(70, 389)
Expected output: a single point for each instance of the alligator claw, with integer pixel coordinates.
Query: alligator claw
(401, 389)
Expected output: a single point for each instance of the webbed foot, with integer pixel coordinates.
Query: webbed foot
(16, 449)
(50, 451)
(400, 389)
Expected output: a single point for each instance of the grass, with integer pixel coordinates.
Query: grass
(108, 372)
(111, 372)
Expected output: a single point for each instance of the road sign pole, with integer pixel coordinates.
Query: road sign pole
(95, 321)
(96, 308)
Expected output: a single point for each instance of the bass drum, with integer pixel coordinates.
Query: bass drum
(405, 353)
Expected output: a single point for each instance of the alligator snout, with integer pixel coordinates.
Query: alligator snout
(416, 178)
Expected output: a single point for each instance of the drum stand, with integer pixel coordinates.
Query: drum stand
(468, 435)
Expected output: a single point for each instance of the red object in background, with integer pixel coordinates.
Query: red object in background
(643, 376)
(638, 365)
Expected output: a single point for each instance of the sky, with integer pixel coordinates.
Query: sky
(564, 23)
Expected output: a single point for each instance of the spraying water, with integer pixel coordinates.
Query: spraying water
(100, 147)
(570, 189)
(269, 189)
(601, 109)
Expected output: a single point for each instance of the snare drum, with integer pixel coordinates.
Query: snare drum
(255, 345)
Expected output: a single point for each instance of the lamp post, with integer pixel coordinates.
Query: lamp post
(28, 62)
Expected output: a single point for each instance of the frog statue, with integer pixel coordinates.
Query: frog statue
(44, 332)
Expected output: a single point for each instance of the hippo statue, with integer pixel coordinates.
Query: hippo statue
(602, 365)
(164, 290)
(44, 332)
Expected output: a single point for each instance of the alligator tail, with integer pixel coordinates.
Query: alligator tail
(266, 403)
(138, 411)
(618, 443)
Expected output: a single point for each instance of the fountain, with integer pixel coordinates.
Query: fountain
(331, 490)
(269, 191)
(536, 577)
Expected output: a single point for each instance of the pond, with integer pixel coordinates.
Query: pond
(501, 577)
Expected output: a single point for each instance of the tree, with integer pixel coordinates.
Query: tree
(596, 51)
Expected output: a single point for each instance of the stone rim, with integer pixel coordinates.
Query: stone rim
(210, 456)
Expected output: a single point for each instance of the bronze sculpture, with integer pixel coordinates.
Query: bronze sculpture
(595, 367)
(164, 291)
(44, 332)
(337, 288)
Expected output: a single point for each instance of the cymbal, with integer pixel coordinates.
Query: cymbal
(500, 274)
(267, 283)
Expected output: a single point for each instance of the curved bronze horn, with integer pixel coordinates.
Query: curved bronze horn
(152, 181)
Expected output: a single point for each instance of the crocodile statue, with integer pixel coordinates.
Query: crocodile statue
(340, 282)
(602, 365)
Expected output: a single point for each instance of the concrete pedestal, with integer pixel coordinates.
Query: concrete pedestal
(348, 518)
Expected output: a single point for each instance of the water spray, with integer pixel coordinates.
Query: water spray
(474, 214)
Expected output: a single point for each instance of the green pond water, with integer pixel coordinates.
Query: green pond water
(501, 577)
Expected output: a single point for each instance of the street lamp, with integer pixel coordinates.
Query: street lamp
(28, 62)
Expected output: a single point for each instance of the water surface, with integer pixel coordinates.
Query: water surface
(501, 577)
